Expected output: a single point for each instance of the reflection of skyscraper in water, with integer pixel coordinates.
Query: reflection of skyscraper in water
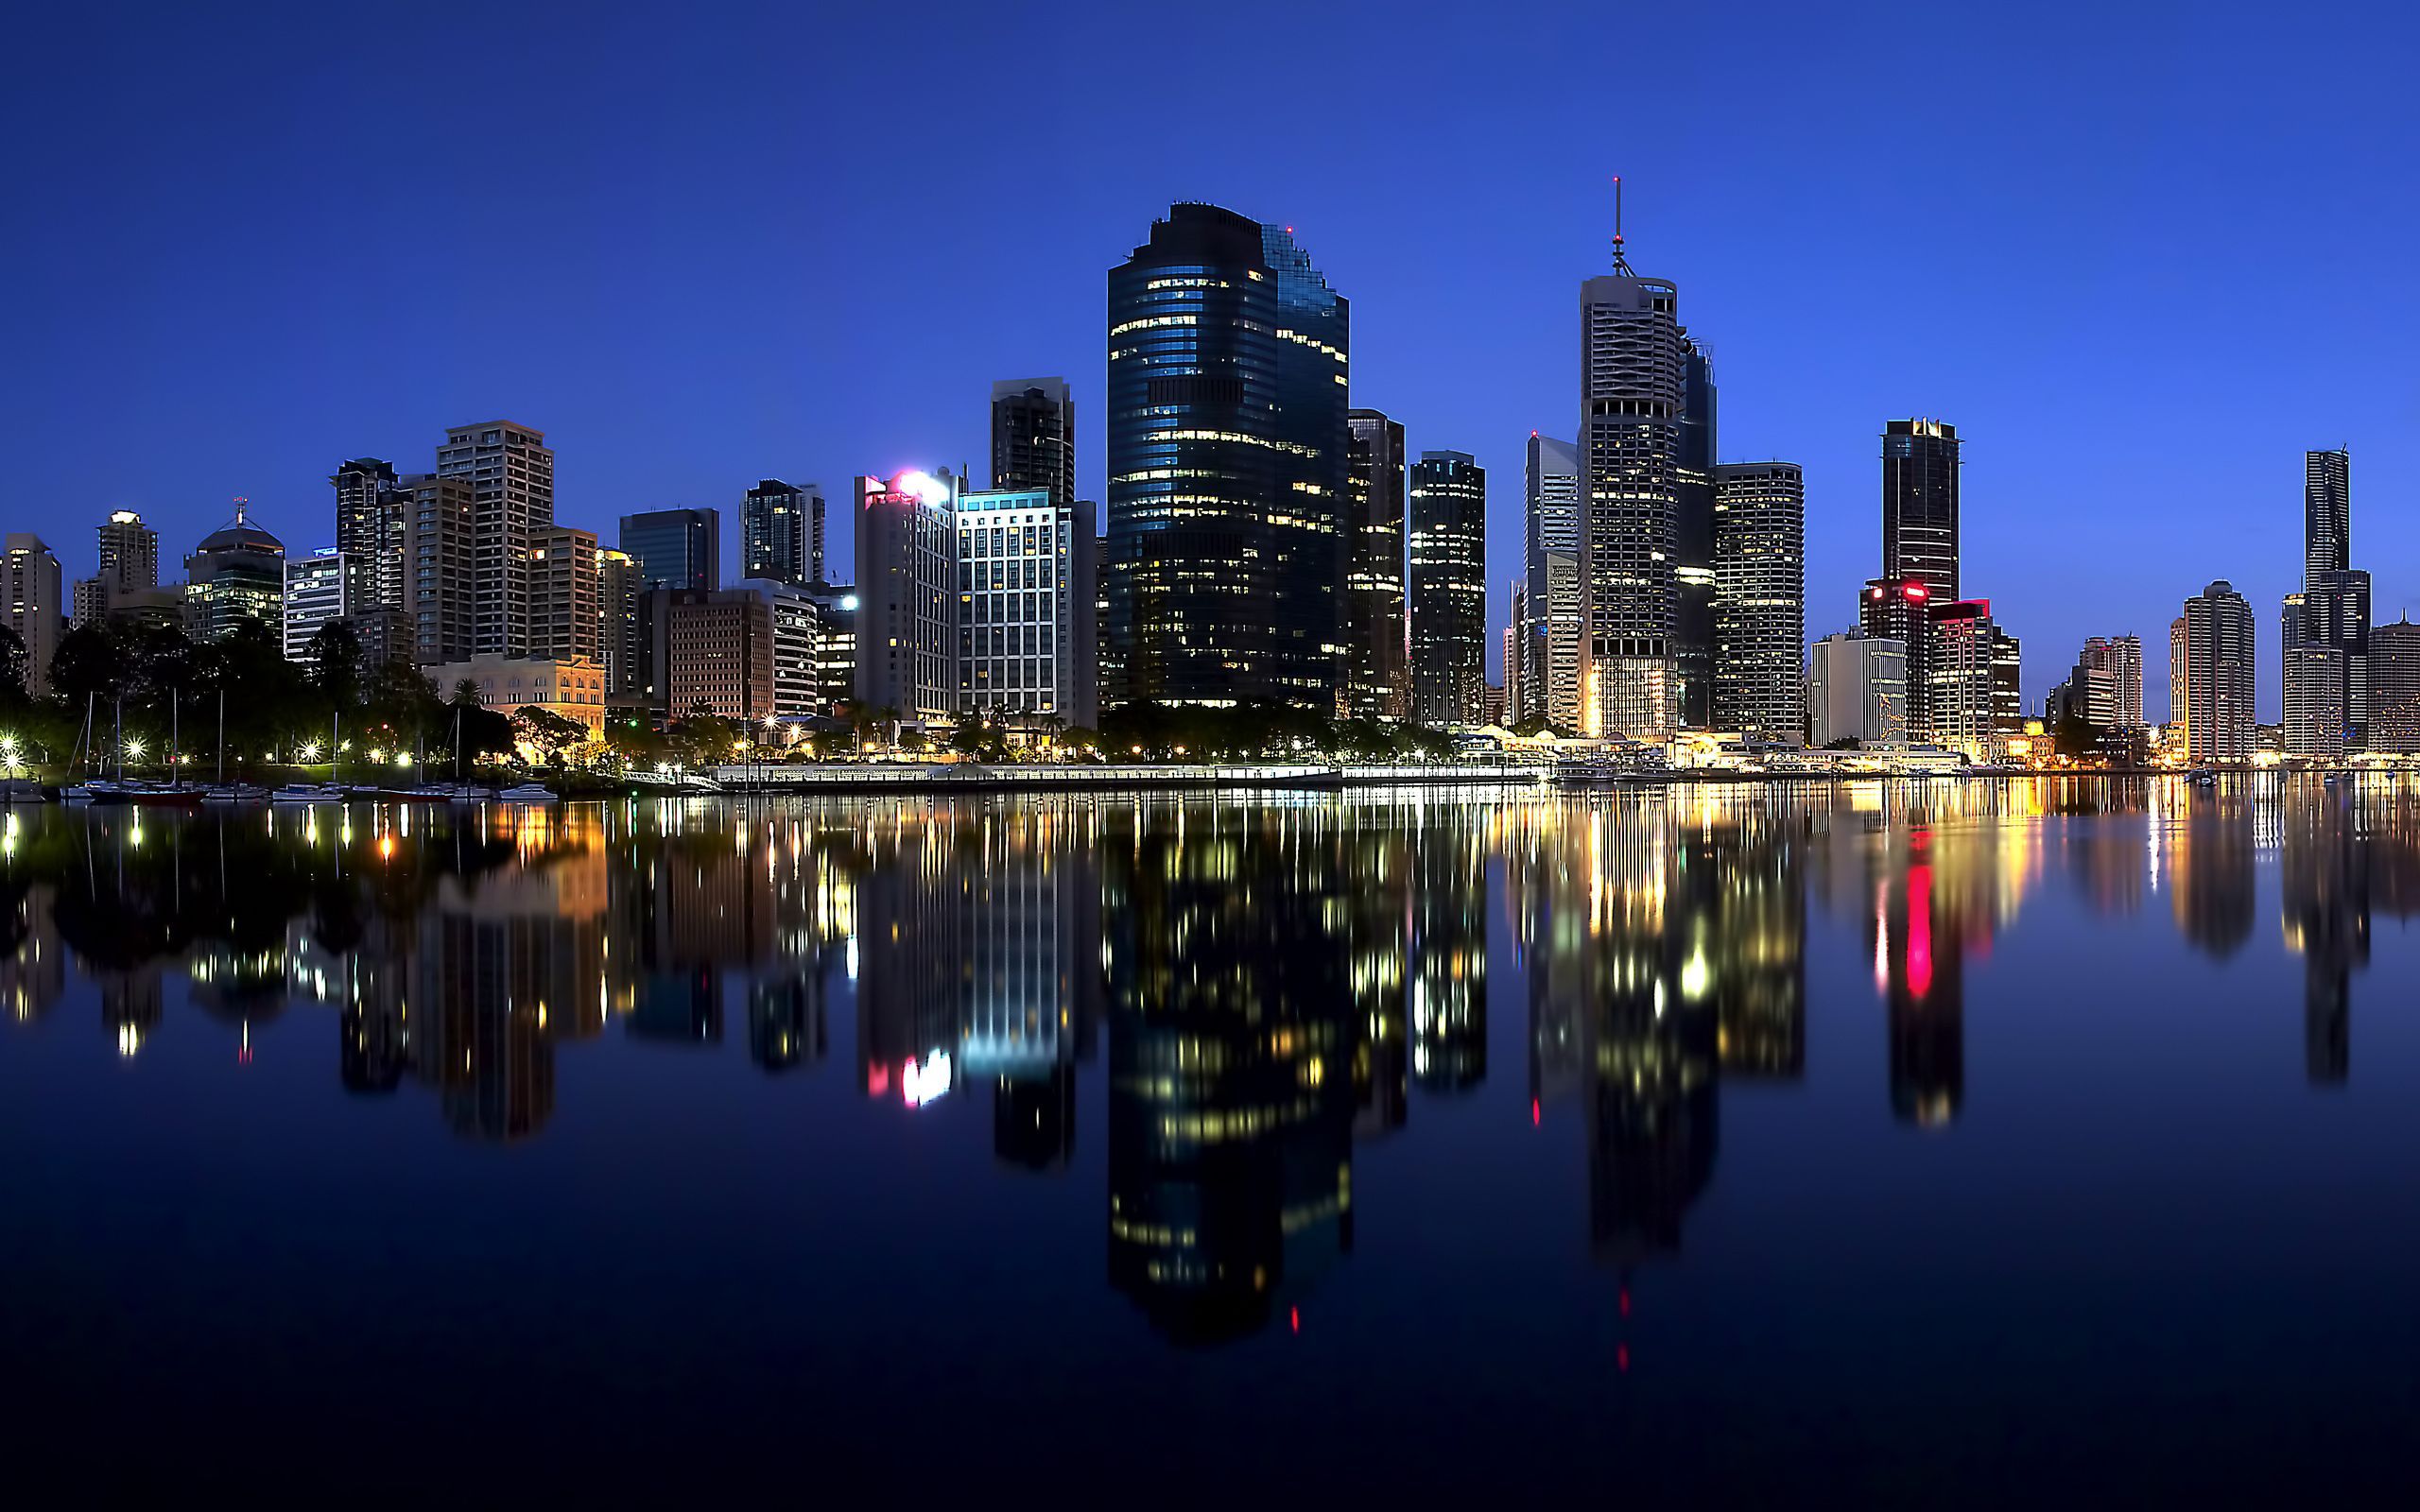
(1230, 1098)
(34, 966)
(2323, 888)
(691, 904)
(2210, 872)
(787, 1025)
(1030, 975)
(1377, 975)
(1740, 898)
(1920, 956)
(1448, 968)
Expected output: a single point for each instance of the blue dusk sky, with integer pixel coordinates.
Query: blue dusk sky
(2142, 256)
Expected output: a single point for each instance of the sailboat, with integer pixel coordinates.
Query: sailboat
(82, 792)
(220, 790)
(174, 795)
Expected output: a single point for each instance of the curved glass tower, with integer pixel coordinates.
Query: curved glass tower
(1227, 438)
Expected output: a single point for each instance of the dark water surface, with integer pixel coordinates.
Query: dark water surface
(2016, 1141)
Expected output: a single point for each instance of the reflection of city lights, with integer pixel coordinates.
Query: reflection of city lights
(920, 1084)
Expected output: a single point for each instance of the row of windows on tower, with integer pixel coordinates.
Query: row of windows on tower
(985, 610)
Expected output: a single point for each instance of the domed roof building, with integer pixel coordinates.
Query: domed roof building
(238, 572)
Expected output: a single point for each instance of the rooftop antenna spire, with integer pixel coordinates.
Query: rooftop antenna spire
(1621, 264)
(241, 501)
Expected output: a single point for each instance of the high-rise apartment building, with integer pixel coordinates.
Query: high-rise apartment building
(315, 598)
(1448, 589)
(2327, 512)
(2121, 657)
(1900, 610)
(1025, 607)
(1695, 591)
(1635, 359)
(2395, 686)
(372, 517)
(1761, 598)
(2219, 660)
(566, 620)
(1033, 438)
(2180, 683)
(441, 580)
(781, 536)
(1228, 360)
(1856, 690)
(675, 548)
(130, 554)
(1377, 675)
(511, 474)
(1553, 640)
(31, 590)
(618, 626)
(1920, 461)
(1973, 692)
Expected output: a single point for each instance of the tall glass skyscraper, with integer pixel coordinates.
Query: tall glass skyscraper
(1227, 479)
(1760, 599)
(675, 548)
(781, 528)
(1550, 638)
(1633, 370)
(1920, 505)
(1693, 568)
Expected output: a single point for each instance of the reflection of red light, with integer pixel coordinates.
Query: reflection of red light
(877, 1080)
(1621, 1357)
(1533, 1112)
(1878, 593)
(1624, 1298)
(1294, 1318)
(1920, 931)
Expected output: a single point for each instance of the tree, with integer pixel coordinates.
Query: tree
(14, 665)
(334, 656)
(551, 734)
(2075, 737)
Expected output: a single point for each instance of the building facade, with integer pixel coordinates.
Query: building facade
(1900, 610)
(907, 595)
(675, 548)
(2121, 657)
(781, 532)
(620, 648)
(573, 689)
(441, 575)
(1378, 682)
(1920, 537)
(719, 652)
(1228, 366)
(1025, 607)
(1974, 689)
(2219, 675)
(1447, 575)
(2327, 512)
(1759, 598)
(237, 573)
(1696, 520)
(566, 620)
(1856, 690)
(315, 598)
(2394, 687)
(373, 518)
(511, 474)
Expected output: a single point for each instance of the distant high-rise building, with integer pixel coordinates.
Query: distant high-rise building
(2121, 657)
(1761, 598)
(2220, 661)
(130, 554)
(1553, 638)
(1033, 439)
(1227, 435)
(237, 573)
(2327, 513)
(1448, 589)
(1970, 693)
(1920, 505)
(1376, 675)
(720, 653)
(1520, 614)
(441, 581)
(1857, 689)
(782, 532)
(511, 474)
(620, 647)
(2089, 694)
(315, 598)
(33, 589)
(565, 621)
(675, 548)
(1696, 590)
(372, 510)
(907, 592)
(835, 646)
(2395, 686)
(2180, 664)
(1635, 359)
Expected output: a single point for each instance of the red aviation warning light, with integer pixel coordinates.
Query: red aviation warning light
(1916, 592)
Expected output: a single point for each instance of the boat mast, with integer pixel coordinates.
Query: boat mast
(175, 776)
(117, 722)
(222, 736)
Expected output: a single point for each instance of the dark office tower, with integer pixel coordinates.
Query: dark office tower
(1695, 590)
(373, 512)
(1920, 505)
(1634, 367)
(1448, 578)
(1552, 642)
(1761, 598)
(2327, 513)
(618, 597)
(676, 548)
(781, 533)
(1033, 438)
(1376, 680)
(130, 554)
(511, 474)
(2220, 661)
(1227, 368)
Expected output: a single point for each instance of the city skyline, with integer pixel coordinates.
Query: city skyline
(716, 366)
